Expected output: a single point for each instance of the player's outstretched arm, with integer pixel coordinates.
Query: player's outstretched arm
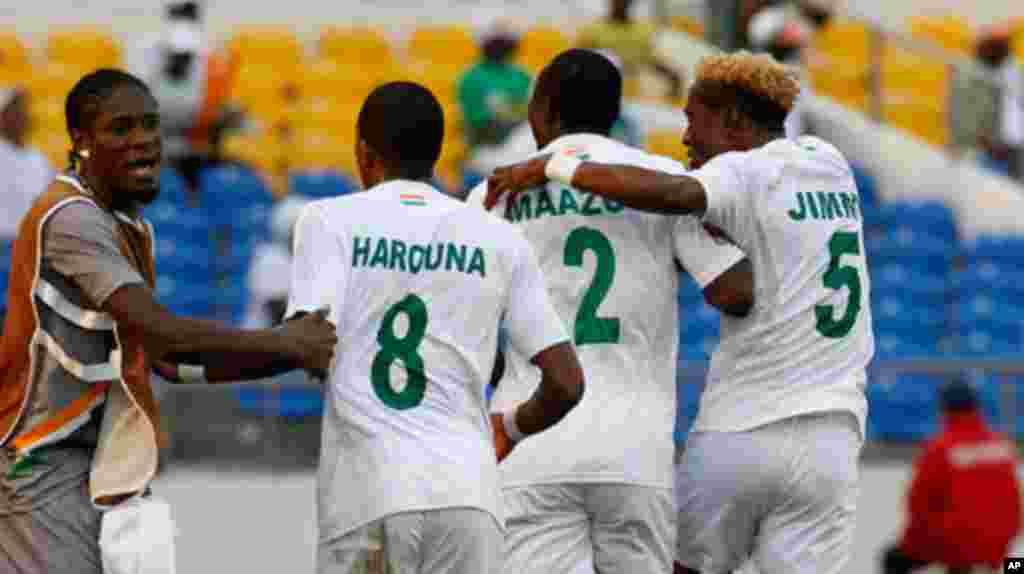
(226, 353)
(634, 187)
(560, 390)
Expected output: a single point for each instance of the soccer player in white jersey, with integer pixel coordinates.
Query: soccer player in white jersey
(770, 471)
(418, 283)
(595, 492)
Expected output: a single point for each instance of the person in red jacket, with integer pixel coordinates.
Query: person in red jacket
(964, 502)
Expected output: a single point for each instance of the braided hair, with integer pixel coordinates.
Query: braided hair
(83, 100)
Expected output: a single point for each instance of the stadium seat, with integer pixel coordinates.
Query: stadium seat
(901, 346)
(991, 279)
(53, 80)
(689, 390)
(904, 408)
(14, 61)
(951, 33)
(368, 46)
(539, 45)
(916, 94)
(266, 45)
(978, 342)
(83, 48)
(668, 143)
(173, 188)
(929, 217)
(1006, 251)
(867, 186)
(443, 45)
(323, 151)
(280, 401)
(316, 184)
(841, 63)
(893, 278)
(184, 297)
(178, 223)
(230, 192)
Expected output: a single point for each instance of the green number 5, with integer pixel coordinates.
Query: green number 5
(838, 275)
(590, 328)
(405, 349)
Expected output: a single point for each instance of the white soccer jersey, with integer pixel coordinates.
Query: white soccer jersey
(417, 283)
(793, 207)
(611, 273)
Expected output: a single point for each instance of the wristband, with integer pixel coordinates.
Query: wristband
(561, 168)
(192, 373)
(511, 428)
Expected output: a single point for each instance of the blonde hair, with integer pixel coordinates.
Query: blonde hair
(743, 73)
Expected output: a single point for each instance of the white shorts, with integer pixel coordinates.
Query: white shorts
(583, 528)
(783, 495)
(446, 541)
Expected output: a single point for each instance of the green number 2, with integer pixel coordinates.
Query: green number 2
(837, 275)
(589, 327)
(405, 349)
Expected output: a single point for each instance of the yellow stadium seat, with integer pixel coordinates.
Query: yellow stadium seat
(952, 33)
(441, 78)
(367, 46)
(53, 81)
(916, 94)
(839, 63)
(539, 45)
(348, 82)
(443, 44)
(322, 151)
(54, 145)
(261, 151)
(266, 45)
(47, 114)
(14, 61)
(668, 143)
(1018, 40)
(83, 48)
(328, 115)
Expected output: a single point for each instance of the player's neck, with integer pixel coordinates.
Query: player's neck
(95, 187)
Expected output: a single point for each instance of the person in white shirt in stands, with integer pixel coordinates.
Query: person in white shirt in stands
(26, 173)
(1004, 146)
(271, 270)
(418, 282)
(770, 470)
(595, 493)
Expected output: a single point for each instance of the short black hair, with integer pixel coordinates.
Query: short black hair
(188, 11)
(958, 396)
(83, 99)
(403, 123)
(584, 89)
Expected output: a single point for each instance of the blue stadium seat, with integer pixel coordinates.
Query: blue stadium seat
(885, 307)
(231, 193)
(1007, 251)
(689, 391)
(930, 218)
(184, 297)
(190, 262)
(320, 184)
(992, 279)
(173, 188)
(979, 342)
(867, 186)
(289, 402)
(904, 408)
(988, 308)
(903, 346)
(175, 222)
(893, 276)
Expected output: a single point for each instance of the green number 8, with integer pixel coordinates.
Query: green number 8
(405, 349)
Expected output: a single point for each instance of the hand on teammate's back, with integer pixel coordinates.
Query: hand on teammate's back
(312, 339)
(515, 178)
(503, 445)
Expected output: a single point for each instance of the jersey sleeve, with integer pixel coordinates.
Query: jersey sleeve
(80, 242)
(702, 254)
(729, 197)
(318, 270)
(531, 322)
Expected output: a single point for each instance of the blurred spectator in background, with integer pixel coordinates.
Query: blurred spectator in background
(191, 85)
(494, 93)
(24, 171)
(271, 272)
(1004, 145)
(964, 502)
(632, 43)
(785, 30)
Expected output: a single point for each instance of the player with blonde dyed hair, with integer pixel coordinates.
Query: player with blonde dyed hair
(770, 469)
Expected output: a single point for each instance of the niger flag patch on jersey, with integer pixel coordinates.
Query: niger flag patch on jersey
(412, 199)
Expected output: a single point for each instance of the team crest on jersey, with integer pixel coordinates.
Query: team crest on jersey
(412, 199)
